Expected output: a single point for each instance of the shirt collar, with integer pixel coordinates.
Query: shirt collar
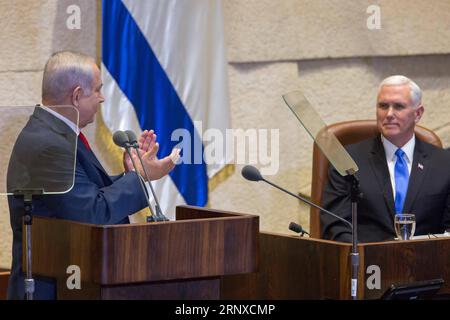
(390, 148)
(72, 125)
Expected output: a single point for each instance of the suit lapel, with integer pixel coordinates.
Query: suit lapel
(381, 171)
(92, 159)
(418, 172)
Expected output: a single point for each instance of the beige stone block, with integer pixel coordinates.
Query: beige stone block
(20, 88)
(266, 30)
(25, 33)
(87, 39)
(32, 30)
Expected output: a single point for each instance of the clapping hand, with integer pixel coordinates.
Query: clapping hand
(148, 148)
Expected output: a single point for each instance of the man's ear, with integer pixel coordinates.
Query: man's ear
(77, 93)
(419, 113)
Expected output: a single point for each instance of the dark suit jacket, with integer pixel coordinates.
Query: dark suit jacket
(44, 154)
(428, 194)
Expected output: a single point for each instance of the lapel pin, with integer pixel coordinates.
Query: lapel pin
(420, 166)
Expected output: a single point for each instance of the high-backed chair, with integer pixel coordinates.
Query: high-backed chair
(347, 133)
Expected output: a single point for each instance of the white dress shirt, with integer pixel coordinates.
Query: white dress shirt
(391, 158)
(72, 125)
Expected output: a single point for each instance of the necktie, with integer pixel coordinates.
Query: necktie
(84, 140)
(401, 176)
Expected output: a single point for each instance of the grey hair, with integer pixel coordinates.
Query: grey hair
(399, 80)
(63, 72)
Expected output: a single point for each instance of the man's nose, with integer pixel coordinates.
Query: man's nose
(390, 111)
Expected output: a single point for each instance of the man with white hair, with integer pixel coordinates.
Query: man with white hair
(398, 173)
(46, 149)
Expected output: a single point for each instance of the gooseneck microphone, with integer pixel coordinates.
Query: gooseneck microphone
(253, 174)
(297, 228)
(121, 139)
(133, 143)
(132, 138)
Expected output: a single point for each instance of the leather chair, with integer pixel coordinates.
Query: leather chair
(348, 132)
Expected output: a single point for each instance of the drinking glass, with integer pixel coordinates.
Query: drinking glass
(405, 225)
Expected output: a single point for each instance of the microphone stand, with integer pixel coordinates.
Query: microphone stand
(152, 217)
(27, 195)
(355, 194)
(159, 214)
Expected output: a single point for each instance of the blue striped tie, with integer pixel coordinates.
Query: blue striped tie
(401, 176)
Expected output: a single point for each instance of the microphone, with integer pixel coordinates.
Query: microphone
(297, 228)
(132, 138)
(133, 143)
(253, 174)
(121, 139)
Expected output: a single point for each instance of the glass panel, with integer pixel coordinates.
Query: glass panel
(38, 149)
(317, 129)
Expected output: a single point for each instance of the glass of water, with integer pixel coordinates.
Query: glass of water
(405, 225)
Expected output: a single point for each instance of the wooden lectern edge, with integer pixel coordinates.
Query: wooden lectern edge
(231, 213)
(347, 244)
(109, 226)
(232, 216)
(238, 216)
(393, 242)
(306, 238)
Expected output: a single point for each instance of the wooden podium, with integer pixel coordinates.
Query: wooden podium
(306, 268)
(182, 259)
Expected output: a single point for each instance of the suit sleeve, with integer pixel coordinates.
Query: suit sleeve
(87, 202)
(336, 198)
(117, 177)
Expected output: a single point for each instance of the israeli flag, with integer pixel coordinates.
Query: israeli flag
(164, 68)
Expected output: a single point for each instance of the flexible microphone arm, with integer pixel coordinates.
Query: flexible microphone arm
(253, 174)
(133, 143)
(120, 138)
(310, 203)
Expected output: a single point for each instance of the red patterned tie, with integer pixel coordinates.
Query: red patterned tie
(86, 143)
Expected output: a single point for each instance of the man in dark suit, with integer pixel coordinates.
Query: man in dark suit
(398, 173)
(44, 156)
